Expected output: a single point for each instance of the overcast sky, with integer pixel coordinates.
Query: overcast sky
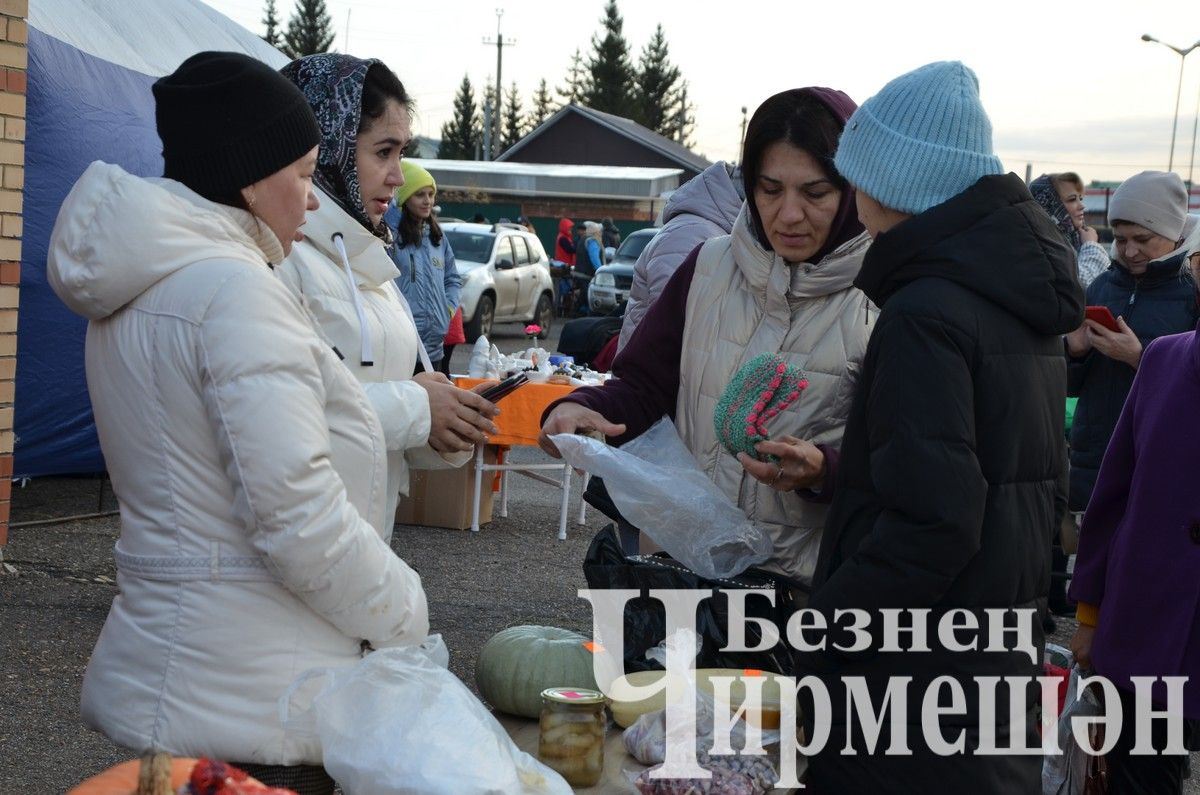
(1067, 85)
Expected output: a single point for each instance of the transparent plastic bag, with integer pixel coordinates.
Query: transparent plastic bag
(399, 723)
(655, 483)
(1067, 773)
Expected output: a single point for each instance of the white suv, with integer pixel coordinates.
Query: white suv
(506, 277)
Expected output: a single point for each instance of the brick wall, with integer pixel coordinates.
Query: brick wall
(13, 64)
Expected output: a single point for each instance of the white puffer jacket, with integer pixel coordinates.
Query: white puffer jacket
(315, 274)
(250, 471)
(815, 319)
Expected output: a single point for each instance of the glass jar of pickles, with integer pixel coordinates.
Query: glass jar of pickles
(571, 736)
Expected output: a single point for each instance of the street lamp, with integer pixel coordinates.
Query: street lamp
(1183, 54)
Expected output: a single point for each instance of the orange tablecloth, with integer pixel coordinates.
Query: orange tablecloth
(520, 419)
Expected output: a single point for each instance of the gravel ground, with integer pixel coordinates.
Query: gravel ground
(58, 582)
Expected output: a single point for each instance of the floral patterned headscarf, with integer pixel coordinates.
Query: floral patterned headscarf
(333, 85)
(1045, 194)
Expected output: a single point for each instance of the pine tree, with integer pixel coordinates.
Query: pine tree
(460, 135)
(682, 122)
(273, 36)
(610, 79)
(487, 120)
(572, 93)
(543, 106)
(514, 122)
(656, 91)
(309, 31)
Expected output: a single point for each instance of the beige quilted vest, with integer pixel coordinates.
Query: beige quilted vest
(745, 300)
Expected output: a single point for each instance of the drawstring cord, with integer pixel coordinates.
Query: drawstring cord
(366, 359)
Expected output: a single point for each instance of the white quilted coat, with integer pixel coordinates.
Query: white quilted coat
(744, 301)
(250, 471)
(315, 274)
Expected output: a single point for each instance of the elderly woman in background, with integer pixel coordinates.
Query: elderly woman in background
(782, 283)
(1061, 196)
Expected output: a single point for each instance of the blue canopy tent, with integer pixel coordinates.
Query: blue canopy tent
(91, 65)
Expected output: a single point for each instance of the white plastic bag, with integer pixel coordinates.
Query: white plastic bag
(1066, 773)
(398, 723)
(655, 483)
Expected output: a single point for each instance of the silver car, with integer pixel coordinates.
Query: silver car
(506, 277)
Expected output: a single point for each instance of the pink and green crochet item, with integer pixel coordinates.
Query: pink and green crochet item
(761, 389)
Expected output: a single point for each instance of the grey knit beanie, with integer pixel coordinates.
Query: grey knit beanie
(1156, 200)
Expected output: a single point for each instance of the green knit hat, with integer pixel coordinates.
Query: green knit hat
(762, 388)
(415, 178)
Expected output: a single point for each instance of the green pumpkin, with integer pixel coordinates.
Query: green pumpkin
(518, 663)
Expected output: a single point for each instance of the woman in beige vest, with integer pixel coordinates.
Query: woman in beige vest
(782, 282)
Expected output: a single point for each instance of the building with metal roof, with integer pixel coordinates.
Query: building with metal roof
(583, 136)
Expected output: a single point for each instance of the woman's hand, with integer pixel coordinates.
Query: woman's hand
(572, 418)
(458, 418)
(1122, 345)
(1081, 646)
(801, 464)
(1089, 235)
(1078, 342)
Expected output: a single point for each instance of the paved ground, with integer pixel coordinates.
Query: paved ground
(60, 582)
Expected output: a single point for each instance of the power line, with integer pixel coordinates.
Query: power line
(1040, 159)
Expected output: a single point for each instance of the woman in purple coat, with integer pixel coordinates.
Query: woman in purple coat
(1137, 577)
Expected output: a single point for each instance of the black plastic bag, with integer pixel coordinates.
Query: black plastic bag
(606, 566)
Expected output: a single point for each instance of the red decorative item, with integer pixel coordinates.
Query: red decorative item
(455, 335)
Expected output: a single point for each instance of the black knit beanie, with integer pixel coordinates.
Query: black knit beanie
(227, 120)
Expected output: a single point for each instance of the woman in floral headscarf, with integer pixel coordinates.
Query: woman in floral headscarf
(343, 274)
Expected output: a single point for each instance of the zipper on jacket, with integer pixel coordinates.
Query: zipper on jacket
(412, 268)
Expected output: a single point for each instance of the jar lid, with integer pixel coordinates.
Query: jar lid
(572, 695)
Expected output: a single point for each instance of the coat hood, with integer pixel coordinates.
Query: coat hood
(118, 235)
(992, 239)
(834, 272)
(711, 195)
(565, 225)
(369, 259)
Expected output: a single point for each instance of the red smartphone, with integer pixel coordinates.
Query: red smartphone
(1103, 316)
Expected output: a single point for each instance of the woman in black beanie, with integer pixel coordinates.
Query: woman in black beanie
(246, 460)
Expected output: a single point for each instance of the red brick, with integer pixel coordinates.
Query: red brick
(10, 273)
(6, 466)
(17, 81)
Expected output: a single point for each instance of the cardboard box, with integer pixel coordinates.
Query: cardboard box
(442, 497)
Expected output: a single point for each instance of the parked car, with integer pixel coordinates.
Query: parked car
(506, 277)
(610, 286)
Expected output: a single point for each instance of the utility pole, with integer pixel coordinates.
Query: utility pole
(499, 42)
(487, 128)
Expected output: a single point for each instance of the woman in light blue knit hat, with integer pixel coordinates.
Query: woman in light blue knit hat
(953, 460)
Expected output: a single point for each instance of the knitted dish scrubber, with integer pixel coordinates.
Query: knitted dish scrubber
(761, 389)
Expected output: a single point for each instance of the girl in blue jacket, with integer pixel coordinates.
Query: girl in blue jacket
(428, 276)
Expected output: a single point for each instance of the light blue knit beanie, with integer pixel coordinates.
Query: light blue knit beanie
(923, 138)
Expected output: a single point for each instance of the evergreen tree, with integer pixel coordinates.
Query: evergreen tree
(514, 121)
(460, 135)
(572, 93)
(309, 31)
(273, 36)
(610, 76)
(683, 119)
(543, 106)
(656, 91)
(487, 127)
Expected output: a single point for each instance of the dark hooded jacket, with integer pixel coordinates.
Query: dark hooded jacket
(952, 472)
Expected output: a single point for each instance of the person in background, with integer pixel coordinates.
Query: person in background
(780, 283)
(342, 271)
(1137, 574)
(1149, 294)
(428, 277)
(243, 454)
(1061, 196)
(525, 222)
(953, 457)
(479, 218)
(589, 259)
(706, 206)
(611, 236)
(564, 244)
